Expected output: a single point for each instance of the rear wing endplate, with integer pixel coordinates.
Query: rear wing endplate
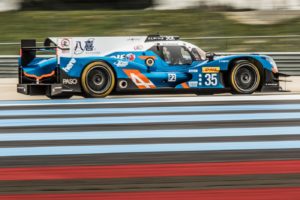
(29, 49)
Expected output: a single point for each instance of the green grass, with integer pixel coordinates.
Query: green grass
(186, 23)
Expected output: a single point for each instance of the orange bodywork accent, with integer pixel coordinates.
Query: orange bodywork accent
(145, 57)
(139, 79)
(40, 77)
(185, 85)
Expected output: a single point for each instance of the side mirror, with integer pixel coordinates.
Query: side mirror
(158, 47)
(210, 56)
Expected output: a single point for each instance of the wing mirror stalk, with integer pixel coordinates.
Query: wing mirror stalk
(210, 56)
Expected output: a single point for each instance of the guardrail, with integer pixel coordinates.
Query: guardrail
(8, 66)
(288, 62)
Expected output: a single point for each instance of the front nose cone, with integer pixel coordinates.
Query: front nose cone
(275, 69)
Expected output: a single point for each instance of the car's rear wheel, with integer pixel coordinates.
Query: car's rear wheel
(97, 80)
(245, 77)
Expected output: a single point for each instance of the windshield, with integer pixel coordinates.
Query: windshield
(198, 53)
(176, 55)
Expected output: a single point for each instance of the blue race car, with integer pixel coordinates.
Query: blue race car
(99, 66)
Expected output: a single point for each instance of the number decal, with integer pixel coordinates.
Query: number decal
(139, 79)
(171, 77)
(140, 82)
(211, 80)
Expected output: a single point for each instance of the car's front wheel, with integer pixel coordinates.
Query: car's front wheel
(97, 80)
(245, 77)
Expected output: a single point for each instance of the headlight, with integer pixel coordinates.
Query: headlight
(273, 63)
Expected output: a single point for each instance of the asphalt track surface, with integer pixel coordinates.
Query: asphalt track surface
(181, 147)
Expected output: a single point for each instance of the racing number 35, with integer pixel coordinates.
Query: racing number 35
(211, 79)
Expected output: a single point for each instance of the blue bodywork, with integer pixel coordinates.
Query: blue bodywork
(159, 73)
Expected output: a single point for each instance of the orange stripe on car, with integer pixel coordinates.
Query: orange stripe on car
(146, 57)
(185, 85)
(39, 77)
(139, 79)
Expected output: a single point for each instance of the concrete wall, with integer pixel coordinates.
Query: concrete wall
(238, 4)
(6, 5)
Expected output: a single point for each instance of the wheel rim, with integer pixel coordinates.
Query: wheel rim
(98, 79)
(246, 78)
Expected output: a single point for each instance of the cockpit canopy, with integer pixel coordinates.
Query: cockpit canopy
(174, 54)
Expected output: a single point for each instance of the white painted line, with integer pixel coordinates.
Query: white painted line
(147, 134)
(144, 110)
(148, 119)
(151, 100)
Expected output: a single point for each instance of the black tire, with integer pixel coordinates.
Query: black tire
(97, 80)
(245, 77)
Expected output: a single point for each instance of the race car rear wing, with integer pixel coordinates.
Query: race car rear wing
(27, 54)
(29, 50)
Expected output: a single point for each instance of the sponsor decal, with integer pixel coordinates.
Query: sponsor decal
(69, 65)
(171, 77)
(138, 47)
(139, 79)
(271, 84)
(70, 81)
(224, 61)
(56, 88)
(210, 69)
(122, 57)
(22, 88)
(133, 39)
(129, 56)
(65, 43)
(161, 38)
(78, 48)
(193, 70)
(193, 84)
(89, 44)
(121, 63)
(88, 47)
